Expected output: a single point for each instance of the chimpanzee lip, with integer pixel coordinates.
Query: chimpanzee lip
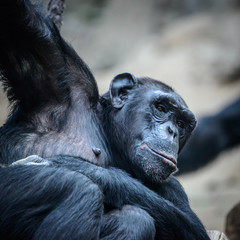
(167, 159)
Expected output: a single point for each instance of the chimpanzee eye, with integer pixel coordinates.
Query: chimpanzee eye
(180, 124)
(161, 108)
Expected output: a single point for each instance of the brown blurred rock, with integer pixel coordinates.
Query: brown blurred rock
(233, 223)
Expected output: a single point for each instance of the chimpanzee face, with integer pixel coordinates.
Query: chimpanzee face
(153, 124)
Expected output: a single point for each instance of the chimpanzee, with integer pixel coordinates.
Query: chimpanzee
(94, 151)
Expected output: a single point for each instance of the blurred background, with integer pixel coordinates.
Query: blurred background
(192, 45)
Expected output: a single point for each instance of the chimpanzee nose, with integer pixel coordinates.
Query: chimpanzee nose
(172, 131)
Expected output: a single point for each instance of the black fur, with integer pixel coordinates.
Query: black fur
(52, 91)
(34, 202)
(57, 113)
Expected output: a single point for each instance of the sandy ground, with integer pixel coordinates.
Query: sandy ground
(193, 54)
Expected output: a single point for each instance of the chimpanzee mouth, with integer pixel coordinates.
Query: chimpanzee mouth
(166, 159)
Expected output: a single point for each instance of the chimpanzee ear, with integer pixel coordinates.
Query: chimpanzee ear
(120, 88)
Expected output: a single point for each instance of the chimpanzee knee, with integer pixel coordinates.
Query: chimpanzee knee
(54, 204)
(78, 216)
(129, 223)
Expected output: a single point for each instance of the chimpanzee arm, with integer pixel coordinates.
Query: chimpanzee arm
(37, 64)
(173, 221)
(174, 217)
(52, 91)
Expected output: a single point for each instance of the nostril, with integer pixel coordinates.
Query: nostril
(170, 130)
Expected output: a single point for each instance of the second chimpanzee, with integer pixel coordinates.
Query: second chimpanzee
(213, 135)
(140, 126)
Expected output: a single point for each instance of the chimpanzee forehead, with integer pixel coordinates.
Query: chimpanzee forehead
(172, 97)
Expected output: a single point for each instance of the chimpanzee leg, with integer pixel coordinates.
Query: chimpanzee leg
(41, 202)
(129, 223)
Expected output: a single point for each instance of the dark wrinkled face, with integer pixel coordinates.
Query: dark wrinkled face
(159, 134)
(152, 124)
